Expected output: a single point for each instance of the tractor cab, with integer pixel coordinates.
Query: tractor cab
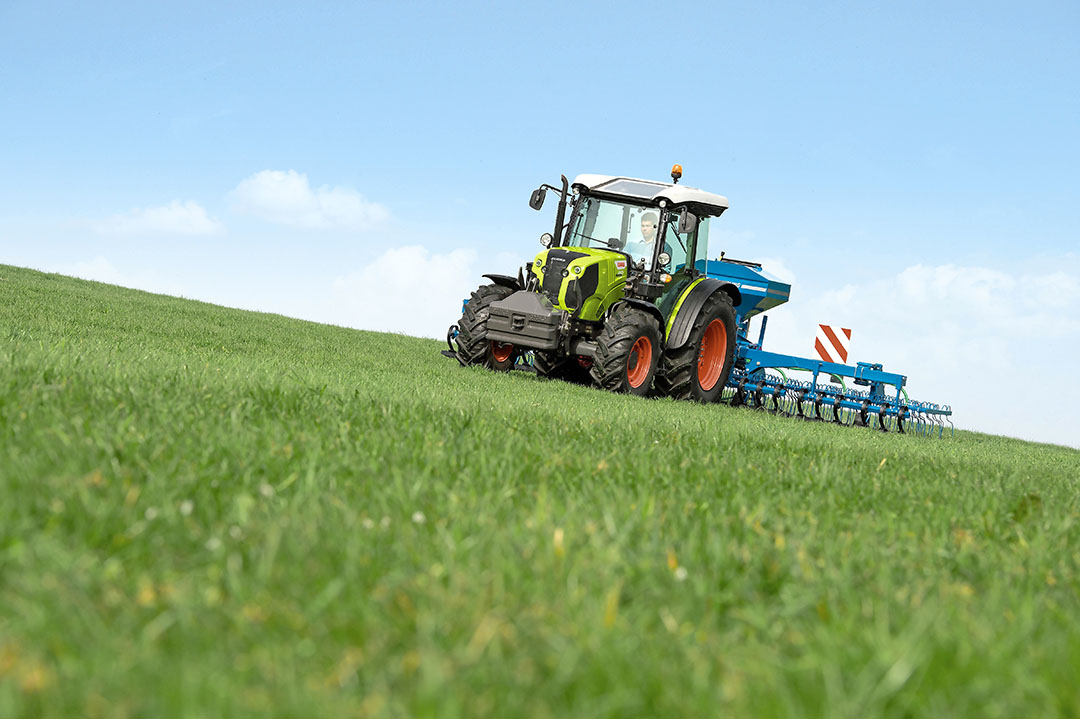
(663, 227)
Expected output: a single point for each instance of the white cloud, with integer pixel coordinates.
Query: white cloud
(987, 342)
(412, 290)
(176, 218)
(100, 269)
(408, 290)
(287, 198)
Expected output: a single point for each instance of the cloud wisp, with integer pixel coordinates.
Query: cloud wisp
(406, 289)
(101, 269)
(286, 197)
(175, 218)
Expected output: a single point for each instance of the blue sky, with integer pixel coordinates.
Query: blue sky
(911, 168)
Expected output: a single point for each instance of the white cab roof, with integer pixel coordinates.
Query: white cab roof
(649, 190)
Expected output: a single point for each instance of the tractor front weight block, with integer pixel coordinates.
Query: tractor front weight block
(525, 319)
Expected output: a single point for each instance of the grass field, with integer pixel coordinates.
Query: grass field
(208, 512)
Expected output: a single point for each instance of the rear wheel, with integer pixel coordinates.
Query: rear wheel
(699, 369)
(627, 352)
(473, 345)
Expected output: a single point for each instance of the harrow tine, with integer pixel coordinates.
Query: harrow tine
(800, 407)
(778, 399)
(863, 415)
(795, 403)
(759, 395)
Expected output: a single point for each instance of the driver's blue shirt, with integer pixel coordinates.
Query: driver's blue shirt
(640, 249)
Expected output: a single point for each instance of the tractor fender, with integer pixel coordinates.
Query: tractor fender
(690, 303)
(641, 305)
(505, 281)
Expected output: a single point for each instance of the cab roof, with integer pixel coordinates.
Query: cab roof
(650, 191)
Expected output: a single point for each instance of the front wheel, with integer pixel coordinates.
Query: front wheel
(473, 345)
(627, 352)
(500, 355)
(699, 369)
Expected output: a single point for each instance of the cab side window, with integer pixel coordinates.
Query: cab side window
(701, 249)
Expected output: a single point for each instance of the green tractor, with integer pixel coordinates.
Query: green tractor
(618, 297)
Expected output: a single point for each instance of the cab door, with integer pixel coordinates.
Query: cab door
(688, 257)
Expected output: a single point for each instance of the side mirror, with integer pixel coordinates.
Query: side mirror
(688, 222)
(537, 199)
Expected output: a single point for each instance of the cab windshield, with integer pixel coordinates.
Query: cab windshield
(617, 226)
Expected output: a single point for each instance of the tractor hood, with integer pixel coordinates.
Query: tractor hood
(582, 280)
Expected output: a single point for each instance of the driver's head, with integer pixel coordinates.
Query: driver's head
(648, 226)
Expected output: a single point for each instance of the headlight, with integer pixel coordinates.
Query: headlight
(664, 259)
(546, 239)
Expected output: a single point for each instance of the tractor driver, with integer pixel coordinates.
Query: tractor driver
(643, 248)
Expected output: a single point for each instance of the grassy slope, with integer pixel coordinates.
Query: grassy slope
(211, 512)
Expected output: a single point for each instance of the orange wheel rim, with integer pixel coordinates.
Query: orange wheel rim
(639, 363)
(711, 358)
(501, 351)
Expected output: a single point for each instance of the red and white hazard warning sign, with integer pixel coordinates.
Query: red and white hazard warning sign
(832, 343)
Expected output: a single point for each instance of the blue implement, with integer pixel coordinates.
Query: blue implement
(760, 378)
